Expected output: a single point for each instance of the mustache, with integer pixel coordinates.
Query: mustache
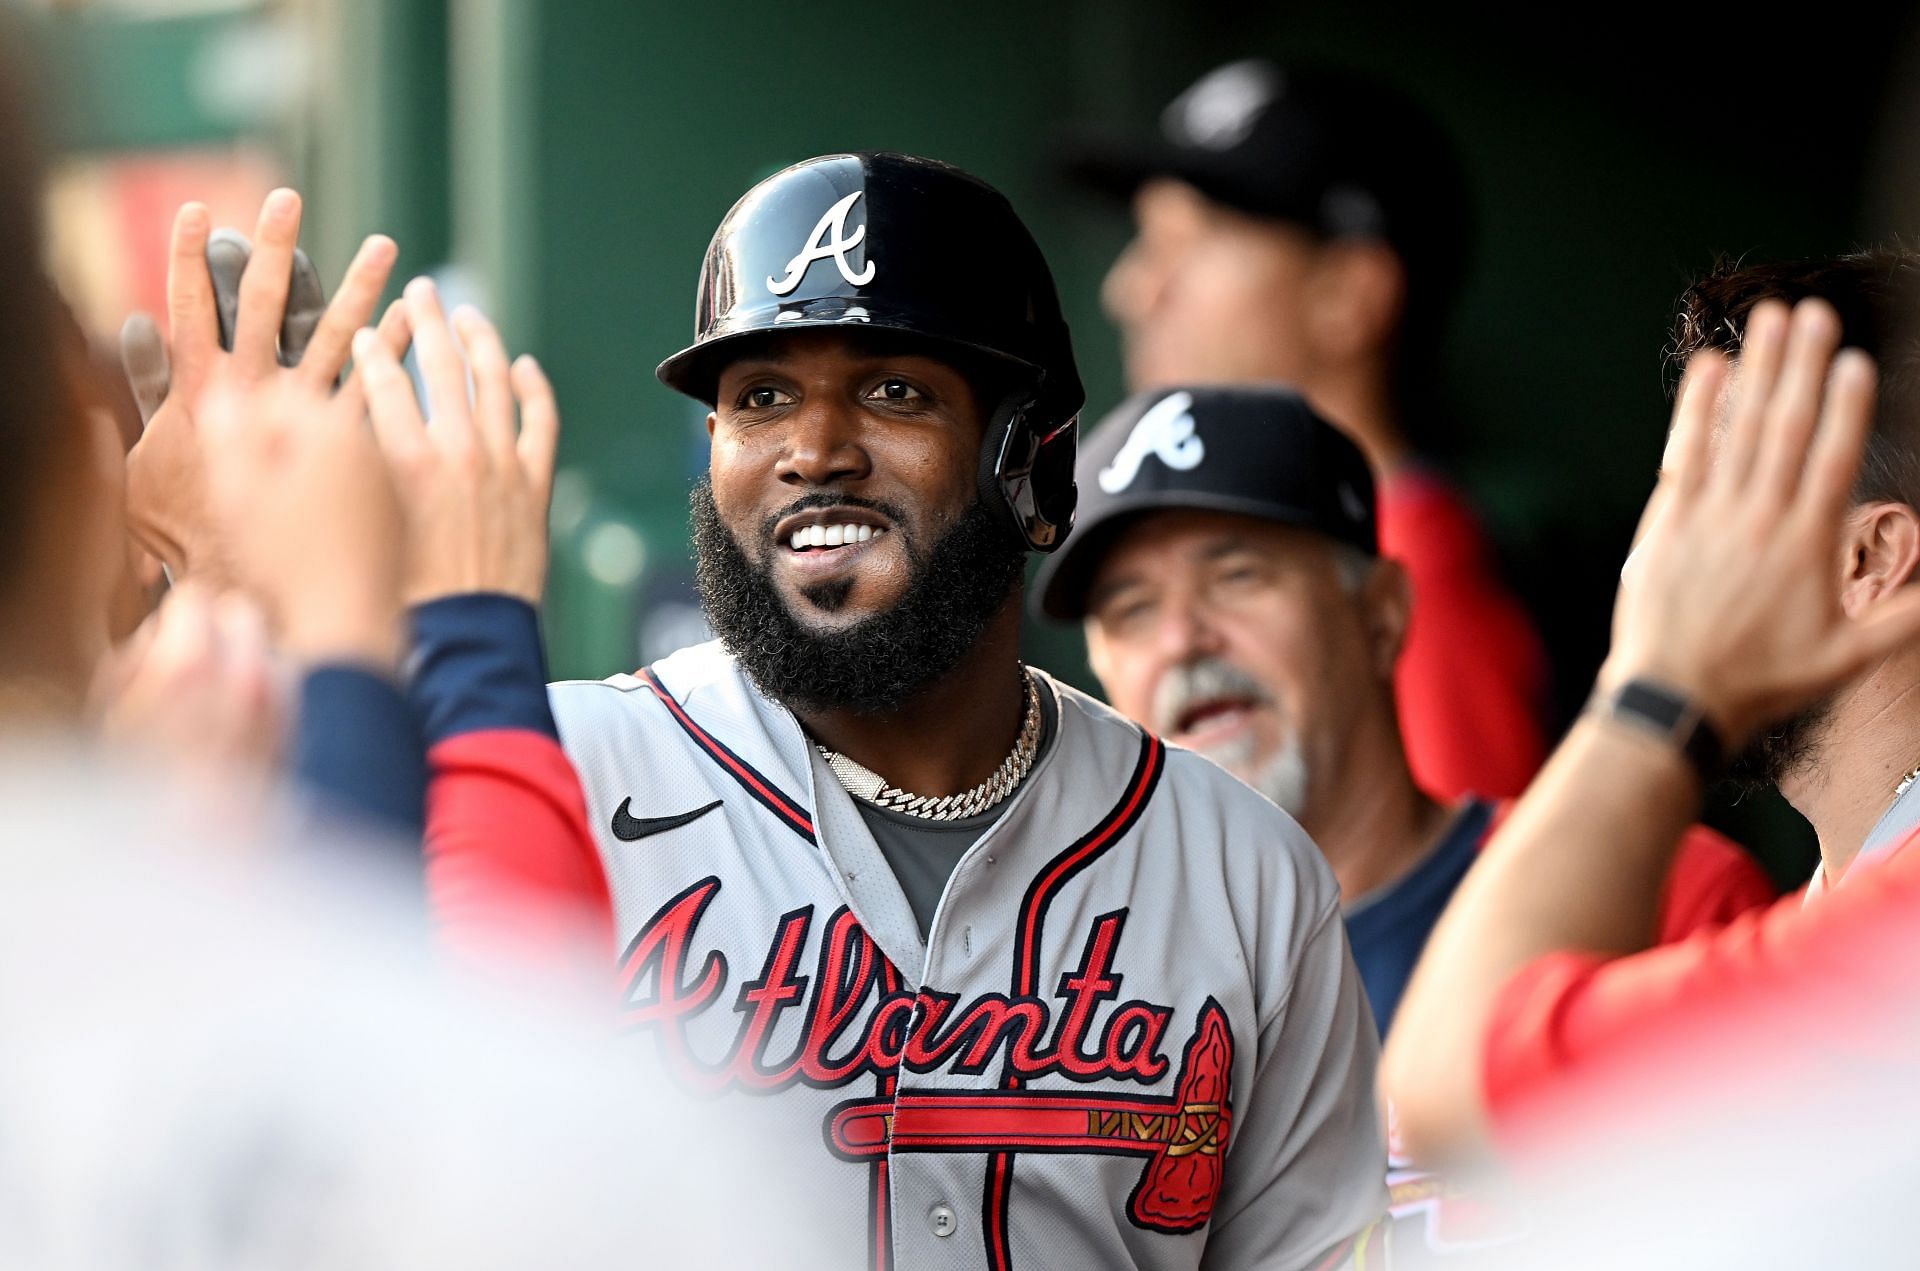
(1206, 679)
(833, 499)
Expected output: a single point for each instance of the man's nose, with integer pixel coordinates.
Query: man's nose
(1127, 293)
(1188, 632)
(822, 447)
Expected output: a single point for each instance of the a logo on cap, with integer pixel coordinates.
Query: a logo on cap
(1220, 111)
(829, 240)
(1166, 430)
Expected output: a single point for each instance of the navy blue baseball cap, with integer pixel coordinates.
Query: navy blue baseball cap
(1258, 451)
(1334, 151)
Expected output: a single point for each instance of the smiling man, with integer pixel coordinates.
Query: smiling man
(1000, 952)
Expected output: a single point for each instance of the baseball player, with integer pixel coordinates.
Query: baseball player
(1226, 569)
(1309, 225)
(1005, 956)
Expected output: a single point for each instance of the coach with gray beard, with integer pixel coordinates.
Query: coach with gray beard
(1227, 572)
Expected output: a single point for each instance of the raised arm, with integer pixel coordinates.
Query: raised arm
(511, 864)
(1731, 602)
(248, 447)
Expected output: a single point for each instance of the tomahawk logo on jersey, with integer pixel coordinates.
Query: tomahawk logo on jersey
(1132, 1037)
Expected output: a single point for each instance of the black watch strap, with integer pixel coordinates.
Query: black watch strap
(1671, 716)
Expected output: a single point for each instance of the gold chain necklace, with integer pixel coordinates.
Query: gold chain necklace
(864, 783)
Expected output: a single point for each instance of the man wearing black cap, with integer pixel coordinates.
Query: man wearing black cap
(1308, 226)
(997, 951)
(1226, 570)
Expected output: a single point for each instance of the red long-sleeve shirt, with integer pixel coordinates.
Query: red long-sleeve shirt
(1582, 1049)
(1472, 679)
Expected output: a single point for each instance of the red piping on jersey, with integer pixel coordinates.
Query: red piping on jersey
(1026, 963)
(745, 773)
(880, 1206)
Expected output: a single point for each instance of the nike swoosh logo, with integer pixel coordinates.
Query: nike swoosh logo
(627, 827)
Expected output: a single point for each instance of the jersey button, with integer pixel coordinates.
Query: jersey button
(941, 1221)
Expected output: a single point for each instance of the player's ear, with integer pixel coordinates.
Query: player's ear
(713, 418)
(1882, 546)
(1357, 293)
(1386, 597)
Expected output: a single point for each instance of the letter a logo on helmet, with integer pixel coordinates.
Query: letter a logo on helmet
(833, 220)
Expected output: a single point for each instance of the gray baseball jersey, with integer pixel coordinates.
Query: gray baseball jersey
(1133, 1037)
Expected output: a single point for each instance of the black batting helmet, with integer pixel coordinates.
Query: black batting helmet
(890, 242)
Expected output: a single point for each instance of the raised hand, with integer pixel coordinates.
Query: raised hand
(301, 497)
(1733, 594)
(196, 688)
(476, 474)
(168, 507)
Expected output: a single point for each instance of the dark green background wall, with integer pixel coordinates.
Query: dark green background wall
(576, 154)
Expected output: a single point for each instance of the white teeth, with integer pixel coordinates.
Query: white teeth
(831, 536)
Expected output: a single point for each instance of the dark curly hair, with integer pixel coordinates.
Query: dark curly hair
(1877, 295)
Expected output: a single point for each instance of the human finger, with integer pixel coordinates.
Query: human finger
(352, 308)
(244, 704)
(438, 357)
(394, 334)
(227, 253)
(193, 325)
(389, 394)
(264, 285)
(1684, 465)
(492, 381)
(1846, 419)
(143, 355)
(1795, 410)
(1760, 354)
(306, 301)
(183, 640)
(539, 424)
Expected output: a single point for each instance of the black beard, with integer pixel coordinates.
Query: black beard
(1769, 757)
(878, 663)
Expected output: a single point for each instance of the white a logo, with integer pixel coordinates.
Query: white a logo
(820, 247)
(1166, 431)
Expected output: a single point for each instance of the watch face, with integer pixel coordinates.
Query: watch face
(1652, 703)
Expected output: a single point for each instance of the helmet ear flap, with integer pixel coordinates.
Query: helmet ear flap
(1028, 473)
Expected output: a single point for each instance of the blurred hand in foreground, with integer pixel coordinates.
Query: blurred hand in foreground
(195, 690)
(301, 498)
(1731, 595)
(475, 475)
(167, 498)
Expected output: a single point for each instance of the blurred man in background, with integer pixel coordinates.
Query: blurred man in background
(1310, 227)
(1767, 611)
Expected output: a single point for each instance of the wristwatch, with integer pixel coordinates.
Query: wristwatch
(1671, 716)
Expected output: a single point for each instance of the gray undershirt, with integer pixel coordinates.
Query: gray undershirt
(923, 854)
